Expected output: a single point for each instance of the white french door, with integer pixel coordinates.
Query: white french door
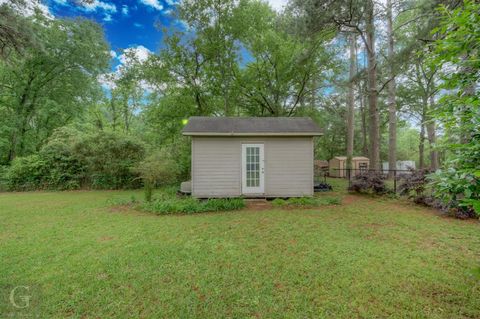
(253, 177)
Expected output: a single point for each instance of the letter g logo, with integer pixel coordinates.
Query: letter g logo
(19, 297)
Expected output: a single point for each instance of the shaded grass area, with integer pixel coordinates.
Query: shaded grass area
(364, 258)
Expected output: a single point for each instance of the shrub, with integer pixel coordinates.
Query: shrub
(3, 182)
(192, 205)
(108, 159)
(413, 185)
(459, 191)
(70, 160)
(26, 173)
(279, 202)
(64, 169)
(368, 182)
(156, 170)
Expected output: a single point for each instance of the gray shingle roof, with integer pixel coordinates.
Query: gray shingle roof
(244, 126)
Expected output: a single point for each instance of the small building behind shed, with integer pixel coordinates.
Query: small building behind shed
(400, 165)
(338, 166)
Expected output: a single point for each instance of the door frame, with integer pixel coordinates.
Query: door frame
(260, 190)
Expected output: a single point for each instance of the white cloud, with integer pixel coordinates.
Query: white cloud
(129, 57)
(96, 5)
(28, 7)
(107, 80)
(108, 17)
(134, 54)
(152, 3)
(277, 5)
(125, 10)
(172, 2)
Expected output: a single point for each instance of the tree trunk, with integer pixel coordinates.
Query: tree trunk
(392, 105)
(421, 145)
(432, 139)
(351, 103)
(363, 101)
(373, 114)
(113, 107)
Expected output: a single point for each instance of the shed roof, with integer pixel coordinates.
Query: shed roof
(251, 126)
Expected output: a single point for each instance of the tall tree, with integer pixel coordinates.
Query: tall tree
(351, 100)
(45, 89)
(392, 104)
(373, 113)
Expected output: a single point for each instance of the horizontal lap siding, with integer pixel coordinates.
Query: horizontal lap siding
(216, 166)
(289, 166)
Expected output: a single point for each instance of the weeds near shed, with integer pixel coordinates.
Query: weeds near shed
(192, 206)
(305, 201)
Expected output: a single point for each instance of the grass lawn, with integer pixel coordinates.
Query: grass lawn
(364, 258)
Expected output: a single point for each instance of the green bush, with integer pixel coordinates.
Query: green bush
(26, 173)
(71, 160)
(191, 205)
(158, 169)
(108, 159)
(305, 201)
(458, 190)
(65, 172)
(279, 202)
(3, 182)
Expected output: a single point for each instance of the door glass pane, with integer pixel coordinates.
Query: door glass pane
(253, 166)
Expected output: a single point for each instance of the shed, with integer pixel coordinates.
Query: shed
(252, 156)
(338, 165)
(400, 165)
(320, 167)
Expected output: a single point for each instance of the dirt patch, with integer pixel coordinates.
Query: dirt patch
(105, 238)
(378, 225)
(350, 199)
(258, 205)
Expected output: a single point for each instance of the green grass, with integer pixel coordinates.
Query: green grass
(366, 258)
(306, 201)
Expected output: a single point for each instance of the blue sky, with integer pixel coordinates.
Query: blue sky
(127, 23)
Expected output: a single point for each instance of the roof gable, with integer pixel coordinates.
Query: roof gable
(251, 126)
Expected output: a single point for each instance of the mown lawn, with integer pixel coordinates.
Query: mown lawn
(364, 258)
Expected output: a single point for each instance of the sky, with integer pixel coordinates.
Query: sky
(129, 23)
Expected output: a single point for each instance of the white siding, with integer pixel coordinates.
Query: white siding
(289, 166)
(216, 166)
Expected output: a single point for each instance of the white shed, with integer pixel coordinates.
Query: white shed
(252, 157)
(400, 165)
